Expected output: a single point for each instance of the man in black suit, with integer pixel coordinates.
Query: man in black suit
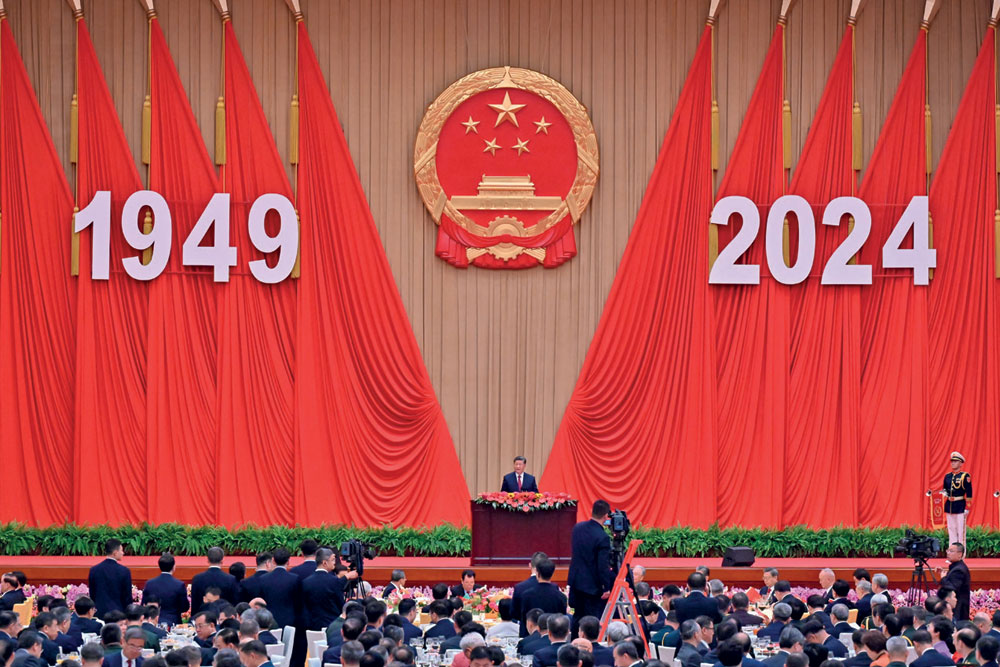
(396, 584)
(441, 625)
(10, 592)
(987, 649)
(322, 592)
(64, 618)
(590, 629)
(282, 590)
(408, 611)
(558, 637)
(841, 589)
(213, 577)
(519, 481)
(688, 654)
(310, 564)
(790, 641)
(539, 636)
(782, 615)
(815, 633)
(590, 575)
(545, 595)
(826, 580)
(151, 620)
(10, 625)
(111, 582)
(783, 593)
(861, 657)
(47, 626)
(250, 587)
(464, 589)
(865, 595)
(741, 613)
(254, 654)
(350, 631)
(517, 610)
(171, 591)
(83, 619)
(816, 603)
(770, 578)
(957, 577)
(696, 603)
(131, 654)
(927, 655)
(838, 616)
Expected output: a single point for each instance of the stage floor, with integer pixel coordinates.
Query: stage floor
(428, 571)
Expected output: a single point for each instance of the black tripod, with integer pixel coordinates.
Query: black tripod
(919, 581)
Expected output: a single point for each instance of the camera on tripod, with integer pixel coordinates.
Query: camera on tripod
(918, 547)
(619, 524)
(353, 553)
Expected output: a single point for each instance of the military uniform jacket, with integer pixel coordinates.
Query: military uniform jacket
(957, 484)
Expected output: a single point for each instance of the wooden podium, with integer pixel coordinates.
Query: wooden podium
(502, 537)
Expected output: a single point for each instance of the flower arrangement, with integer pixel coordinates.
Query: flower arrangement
(526, 501)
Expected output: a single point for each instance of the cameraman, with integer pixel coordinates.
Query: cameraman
(957, 577)
(590, 577)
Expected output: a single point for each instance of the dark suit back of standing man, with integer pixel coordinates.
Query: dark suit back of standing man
(214, 577)
(519, 481)
(590, 573)
(545, 595)
(171, 592)
(309, 565)
(322, 593)
(110, 582)
(282, 591)
(696, 603)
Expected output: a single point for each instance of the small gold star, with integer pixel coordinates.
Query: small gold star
(506, 110)
(521, 146)
(542, 126)
(470, 125)
(491, 146)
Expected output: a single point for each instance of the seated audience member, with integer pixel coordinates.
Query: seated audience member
(248, 630)
(176, 658)
(920, 618)
(351, 653)
(226, 638)
(782, 616)
(151, 620)
(568, 656)
(650, 613)
(723, 631)
(10, 592)
(351, 630)
(731, 653)
(224, 658)
(393, 633)
(987, 649)
(29, 650)
(905, 616)
(839, 615)
(83, 619)
(965, 646)
(670, 593)
(707, 634)
(10, 625)
(396, 585)
(265, 619)
(507, 627)
(130, 654)
(480, 657)
(817, 654)
(370, 639)
(995, 630)
(92, 655)
(118, 618)
(64, 618)
(47, 626)
(741, 613)
(874, 643)
(689, 654)
(134, 615)
(590, 629)
(816, 605)
(797, 660)
(559, 628)
(467, 586)
(860, 659)
(841, 589)
(461, 619)
(927, 655)
(669, 635)
(897, 650)
(111, 639)
(408, 613)
(626, 654)
(469, 643)
(790, 641)
(815, 633)
(254, 654)
(893, 627)
(404, 655)
(441, 623)
(532, 643)
(204, 628)
(941, 630)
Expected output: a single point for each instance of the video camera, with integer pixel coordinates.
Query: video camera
(619, 524)
(918, 547)
(354, 553)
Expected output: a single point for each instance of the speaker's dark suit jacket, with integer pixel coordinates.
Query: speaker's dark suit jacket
(931, 658)
(110, 585)
(282, 591)
(173, 597)
(322, 599)
(695, 605)
(214, 577)
(528, 483)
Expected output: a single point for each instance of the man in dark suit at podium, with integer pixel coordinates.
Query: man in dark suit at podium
(110, 582)
(590, 575)
(517, 481)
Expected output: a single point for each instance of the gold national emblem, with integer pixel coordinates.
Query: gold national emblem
(506, 161)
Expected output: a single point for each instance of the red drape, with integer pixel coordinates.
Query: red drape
(824, 388)
(752, 321)
(37, 306)
(110, 443)
(181, 395)
(964, 369)
(256, 326)
(373, 443)
(894, 320)
(646, 391)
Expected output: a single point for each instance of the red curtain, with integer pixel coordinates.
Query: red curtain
(894, 320)
(646, 391)
(37, 306)
(752, 321)
(824, 387)
(110, 440)
(373, 445)
(964, 369)
(181, 389)
(256, 326)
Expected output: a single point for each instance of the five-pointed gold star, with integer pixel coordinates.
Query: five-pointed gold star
(491, 146)
(542, 126)
(506, 110)
(470, 125)
(521, 146)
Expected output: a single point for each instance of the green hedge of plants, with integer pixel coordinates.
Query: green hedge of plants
(448, 540)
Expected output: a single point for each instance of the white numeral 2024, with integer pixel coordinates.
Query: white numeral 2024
(220, 255)
(838, 271)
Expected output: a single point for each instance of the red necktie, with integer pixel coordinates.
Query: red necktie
(518, 482)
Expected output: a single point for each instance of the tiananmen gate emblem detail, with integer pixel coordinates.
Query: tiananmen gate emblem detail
(506, 161)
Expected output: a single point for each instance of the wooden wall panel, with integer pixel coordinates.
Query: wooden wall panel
(503, 348)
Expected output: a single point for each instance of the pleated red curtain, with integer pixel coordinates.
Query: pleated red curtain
(182, 360)
(373, 445)
(110, 437)
(751, 321)
(37, 306)
(824, 388)
(964, 372)
(894, 407)
(256, 353)
(647, 388)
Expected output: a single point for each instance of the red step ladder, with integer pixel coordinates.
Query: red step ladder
(621, 601)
